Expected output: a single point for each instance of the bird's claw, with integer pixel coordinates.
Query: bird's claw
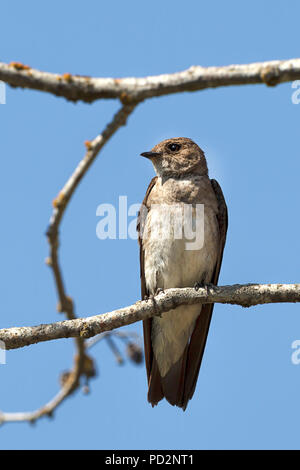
(209, 284)
(198, 285)
(148, 297)
(159, 290)
(152, 297)
(202, 285)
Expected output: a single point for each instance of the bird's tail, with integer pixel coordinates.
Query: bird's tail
(178, 385)
(171, 386)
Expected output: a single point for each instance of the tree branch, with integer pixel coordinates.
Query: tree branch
(82, 362)
(129, 90)
(245, 295)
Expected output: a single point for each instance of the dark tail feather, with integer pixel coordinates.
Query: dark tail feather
(171, 386)
(173, 383)
(195, 352)
(155, 393)
(179, 384)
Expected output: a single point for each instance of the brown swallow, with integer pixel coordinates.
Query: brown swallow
(175, 342)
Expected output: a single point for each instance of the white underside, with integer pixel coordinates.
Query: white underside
(169, 264)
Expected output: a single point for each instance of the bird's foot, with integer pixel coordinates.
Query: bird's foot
(209, 284)
(159, 290)
(199, 285)
(149, 297)
(152, 297)
(202, 285)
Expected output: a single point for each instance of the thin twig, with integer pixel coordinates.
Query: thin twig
(66, 304)
(115, 350)
(90, 343)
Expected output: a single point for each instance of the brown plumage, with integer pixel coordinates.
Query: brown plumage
(174, 344)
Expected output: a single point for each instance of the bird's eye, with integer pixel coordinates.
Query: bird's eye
(174, 147)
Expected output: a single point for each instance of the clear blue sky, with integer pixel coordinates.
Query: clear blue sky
(248, 390)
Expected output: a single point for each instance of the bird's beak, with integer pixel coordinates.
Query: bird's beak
(151, 154)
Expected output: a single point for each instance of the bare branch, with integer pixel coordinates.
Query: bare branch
(66, 305)
(93, 148)
(129, 90)
(47, 409)
(245, 295)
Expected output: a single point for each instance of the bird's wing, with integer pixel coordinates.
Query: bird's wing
(144, 292)
(199, 336)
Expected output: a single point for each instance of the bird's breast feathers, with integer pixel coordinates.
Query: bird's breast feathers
(172, 258)
(180, 239)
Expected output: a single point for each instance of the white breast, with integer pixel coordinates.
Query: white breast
(168, 263)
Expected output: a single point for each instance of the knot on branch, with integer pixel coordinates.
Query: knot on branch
(19, 66)
(86, 331)
(270, 75)
(126, 98)
(60, 201)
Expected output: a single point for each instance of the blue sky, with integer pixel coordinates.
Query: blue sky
(248, 389)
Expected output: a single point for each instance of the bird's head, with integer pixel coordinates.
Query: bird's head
(177, 157)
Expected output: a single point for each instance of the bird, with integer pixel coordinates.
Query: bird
(174, 342)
